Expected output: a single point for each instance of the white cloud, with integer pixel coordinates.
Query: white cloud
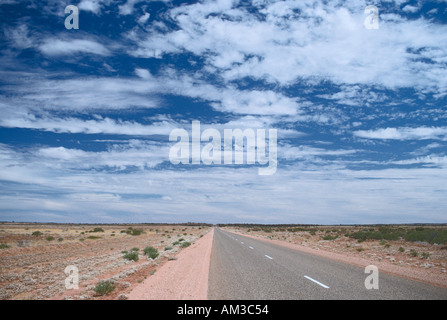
(290, 152)
(76, 94)
(410, 9)
(19, 37)
(297, 194)
(137, 153)
(56, 47)
(143, 73)
(36, 93)
(94, 6)
(144, 18)
(404, 133)
(324, 41)
(438, 161)
(90, 5)
(102, 126)
(128, 7)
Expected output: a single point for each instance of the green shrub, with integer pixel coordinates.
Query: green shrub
(185, 244)
(4, 246)
(168, 248)
(425, 255)
(37, 233)
(104, 287)
(430, 235)
(133, 255)
(381, 234)
(401, 249)
(135, 249)
(413, 253)
(136, 232)
(49, 238)
(98, 230)
(93, 237)
(151, 252)
(329, 237)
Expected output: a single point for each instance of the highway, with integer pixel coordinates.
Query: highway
(242, 268)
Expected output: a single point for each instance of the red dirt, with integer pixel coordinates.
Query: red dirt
(183, 279)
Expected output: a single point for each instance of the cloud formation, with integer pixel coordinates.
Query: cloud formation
(360, 114)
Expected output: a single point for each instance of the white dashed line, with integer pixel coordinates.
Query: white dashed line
(268, 257)
(319, 283)
(251, 247)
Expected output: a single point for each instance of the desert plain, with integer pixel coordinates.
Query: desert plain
(34, 258)
(113, 261)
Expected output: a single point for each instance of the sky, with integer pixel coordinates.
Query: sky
(360, 112)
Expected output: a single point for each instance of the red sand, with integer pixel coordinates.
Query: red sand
(183, 279)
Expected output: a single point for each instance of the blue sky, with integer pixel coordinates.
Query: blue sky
(360, 113)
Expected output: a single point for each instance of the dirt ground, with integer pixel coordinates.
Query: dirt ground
(418, 260)
(183, 279)
(33, 267)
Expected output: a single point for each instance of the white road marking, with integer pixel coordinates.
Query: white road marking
(251, 247)
(268, 257)
(319, 283)
(242, 242)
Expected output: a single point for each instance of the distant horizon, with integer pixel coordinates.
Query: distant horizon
(230, 224)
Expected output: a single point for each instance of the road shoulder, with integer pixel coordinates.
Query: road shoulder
(183, 279)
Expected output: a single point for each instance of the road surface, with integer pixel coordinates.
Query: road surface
(243, 268)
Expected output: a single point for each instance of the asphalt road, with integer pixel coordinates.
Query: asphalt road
(243, 268)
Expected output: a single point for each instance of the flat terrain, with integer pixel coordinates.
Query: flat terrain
(229, 262)
(32, 266)
(249, 268)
